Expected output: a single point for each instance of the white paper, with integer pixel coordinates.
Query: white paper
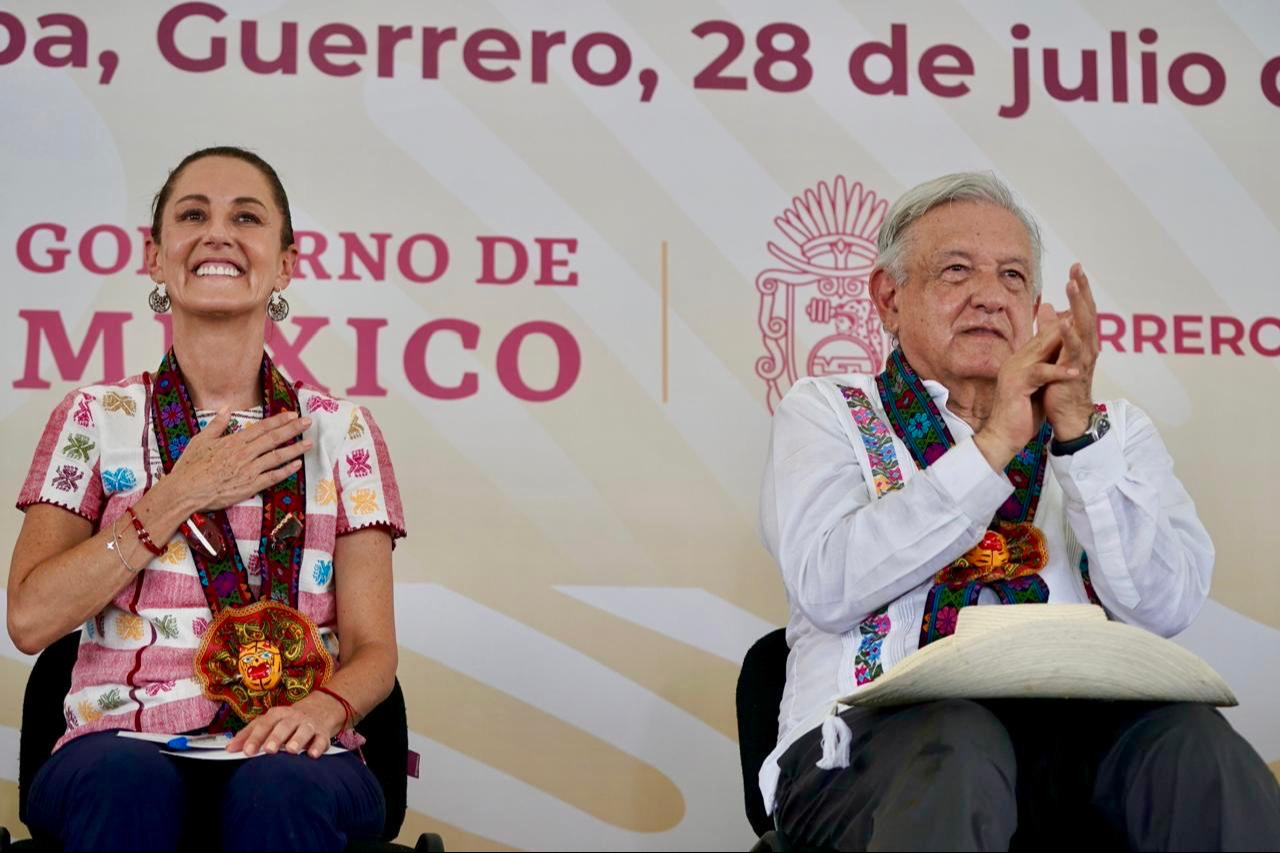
(205, 747)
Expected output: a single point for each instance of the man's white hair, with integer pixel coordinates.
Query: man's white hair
(985, 187)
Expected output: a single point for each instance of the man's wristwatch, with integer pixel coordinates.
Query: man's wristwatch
(1099, 423)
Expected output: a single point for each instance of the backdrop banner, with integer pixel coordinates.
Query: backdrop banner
(572, 254)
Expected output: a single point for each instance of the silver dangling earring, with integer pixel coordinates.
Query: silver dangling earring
(159, 300)
(278, 307)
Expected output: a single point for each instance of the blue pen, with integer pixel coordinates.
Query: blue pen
(182, 742)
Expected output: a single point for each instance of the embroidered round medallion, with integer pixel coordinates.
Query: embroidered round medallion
(260, 656)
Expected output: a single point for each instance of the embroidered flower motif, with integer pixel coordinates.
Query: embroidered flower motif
(111, 700)
(319, 402)
(78, 447)
(252, 565)
(129, 627)
(356, 429)
(364, 502)
(157, 687)
(88, 713)
(67, 478)
(116, 402)
(118, 480)
(199, 625)
(918, 425)
(72, 722)
(866, 663)
(83, 415)
(177, 444)
(167, 625)
(358, 463)
(174, 553)
(325, 492)
(946, 624)
(171, 415)
(323, 569)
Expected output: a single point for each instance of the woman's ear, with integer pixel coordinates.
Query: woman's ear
(155, 269)
(288, 260)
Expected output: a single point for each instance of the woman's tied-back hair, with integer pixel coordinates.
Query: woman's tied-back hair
(277, 189)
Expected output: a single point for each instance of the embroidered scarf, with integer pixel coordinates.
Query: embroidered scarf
(1009, 557)
(225, 579)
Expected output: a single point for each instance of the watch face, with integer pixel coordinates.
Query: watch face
(1101, 424)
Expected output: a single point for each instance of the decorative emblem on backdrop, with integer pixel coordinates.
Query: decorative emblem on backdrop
(815, 314)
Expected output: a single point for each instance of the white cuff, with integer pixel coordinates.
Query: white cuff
(1090, 472)
(971, 483)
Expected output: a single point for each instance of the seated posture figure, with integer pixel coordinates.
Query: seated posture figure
(978, 469)
(212, 529)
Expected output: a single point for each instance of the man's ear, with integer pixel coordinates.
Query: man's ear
(884, 291)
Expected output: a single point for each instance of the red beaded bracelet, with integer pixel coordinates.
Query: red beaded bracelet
(143, 536)
(349, 713)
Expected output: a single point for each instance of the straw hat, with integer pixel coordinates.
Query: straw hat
(1062, 651)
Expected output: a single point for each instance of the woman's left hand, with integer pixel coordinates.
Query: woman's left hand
(307, 727)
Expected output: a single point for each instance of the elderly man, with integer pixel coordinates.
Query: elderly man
(983, 424)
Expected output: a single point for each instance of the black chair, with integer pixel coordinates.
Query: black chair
(386, 753)
(759, 694)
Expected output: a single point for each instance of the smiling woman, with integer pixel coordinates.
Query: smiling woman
(182, 517)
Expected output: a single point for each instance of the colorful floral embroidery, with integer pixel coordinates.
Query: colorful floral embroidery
(67, 478)
(916, 420)
(78, 447)
(199, 625)
(111, 700)
(358, 463)
(88, 713)
(83, 415)
(873, 630)
(174, 553)
(325, 492)
(177, 444)
(942, 608)
(356, 429)
(115, 402)
(364, 501)
(317, 402)
(1021, 548)
(876, 439)
(887, 476)
(129, 627)
(167, 625)
(118, 480)
(1030, 589)
(171, 415)
(323, 569)
(157, 687)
